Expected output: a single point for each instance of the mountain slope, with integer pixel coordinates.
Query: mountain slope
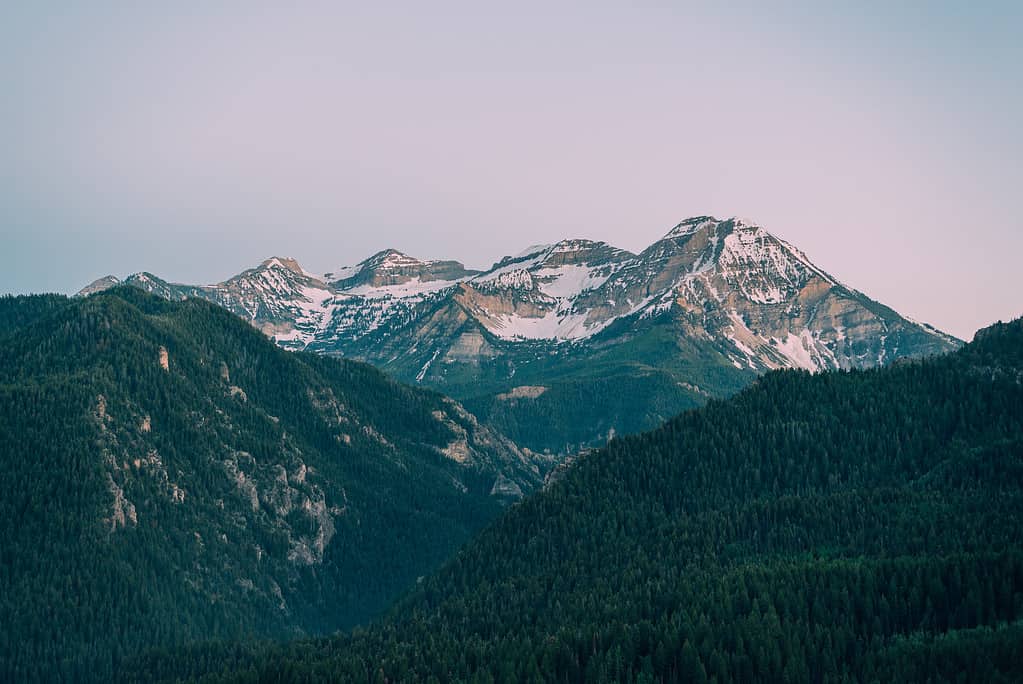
(847, 526)
(698, 314)
(167, 474)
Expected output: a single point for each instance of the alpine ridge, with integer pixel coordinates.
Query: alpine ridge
(697, 314)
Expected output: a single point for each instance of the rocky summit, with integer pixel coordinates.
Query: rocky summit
(698, 314)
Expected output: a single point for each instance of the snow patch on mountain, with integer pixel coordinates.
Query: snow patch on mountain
(313, 307)
(426, 366)
(510, 266)
(344, 273)
(568, 281)
(554, 325)
(515, 279)
(413, 289)
(799, 349)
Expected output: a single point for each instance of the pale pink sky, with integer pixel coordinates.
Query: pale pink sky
(195, 142)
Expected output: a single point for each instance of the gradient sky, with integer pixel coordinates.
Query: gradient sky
(194, 140)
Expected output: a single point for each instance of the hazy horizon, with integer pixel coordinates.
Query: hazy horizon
(196, 142)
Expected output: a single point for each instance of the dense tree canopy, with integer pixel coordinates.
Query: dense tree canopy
(168, 475)
(847, 526)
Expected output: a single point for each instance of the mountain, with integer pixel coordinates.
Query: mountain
(564, 344)
(168, 475)
(857, 526)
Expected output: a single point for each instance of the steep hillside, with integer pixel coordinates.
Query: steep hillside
(847, 526)
(167, 474)
(698, 314)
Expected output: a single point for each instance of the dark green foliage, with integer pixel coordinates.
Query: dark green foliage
(16, 312)
(231, 462)
(573, 411)
(628, 379)
(850, 526)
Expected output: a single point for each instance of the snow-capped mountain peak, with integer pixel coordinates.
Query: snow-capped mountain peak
(100, 284)
(761, 301)
(287, 263)
(391, 267)
(689, 226)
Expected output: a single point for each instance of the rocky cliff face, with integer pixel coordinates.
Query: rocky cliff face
(712, 304)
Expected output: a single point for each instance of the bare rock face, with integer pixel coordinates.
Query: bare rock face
(470, 347)
(122, 512)
(478, 447)
(99, 285)
(522, 392)
(506, 488)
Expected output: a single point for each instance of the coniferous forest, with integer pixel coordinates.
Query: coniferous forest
(168, 475)
(183, 501)
(847, 526)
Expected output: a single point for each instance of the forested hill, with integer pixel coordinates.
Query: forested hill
(847, 526)
(168, 475)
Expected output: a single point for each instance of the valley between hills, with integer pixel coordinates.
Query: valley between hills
(709, 461)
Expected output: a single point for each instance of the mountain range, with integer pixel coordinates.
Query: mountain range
(563, 345)
(196, 479)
